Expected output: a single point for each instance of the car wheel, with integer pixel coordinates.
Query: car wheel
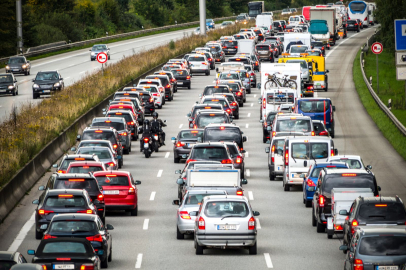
(109, 57)
(188, 87)
(286, 187)
(120, 163)
(176, 160)
(314, 221)
(170, 98)
(237, 116)
(199, 249)
(320, 227)
(111, 254)
(14, 92)
(253, 249)
(38, 235)
(271, 176)
(159, 106)
(308, 203)
(179, 235)
(241, 104)
(130, 148)
(34, 96)
(105, 263)
(255, 85)
(17, 92)
(332, 134)
(134, 212)
(329, 235)
(207, 72)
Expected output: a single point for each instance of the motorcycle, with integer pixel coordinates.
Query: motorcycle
(148, 146)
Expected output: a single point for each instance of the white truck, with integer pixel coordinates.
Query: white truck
(334, 22)
(246, 46)
(342, 199)
(291, 39)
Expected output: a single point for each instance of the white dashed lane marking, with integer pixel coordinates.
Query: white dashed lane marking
(152, 197)
(145, 226)
(268, 260)
(139, 261)
(167, 154)
(159, 173)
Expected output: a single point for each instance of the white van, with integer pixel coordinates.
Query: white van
(273, 98)
(296, 39)
(246, 46)
(295, 20)
(301, 152)
(265, 20)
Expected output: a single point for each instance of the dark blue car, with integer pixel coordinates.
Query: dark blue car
(310, 181)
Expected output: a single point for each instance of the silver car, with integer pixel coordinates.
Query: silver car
(191, 202)
(98, 48)
(199, 64)
(225, 221)
(105, 155)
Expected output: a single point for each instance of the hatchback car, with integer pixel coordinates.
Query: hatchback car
(209, 151)
(353, 26)
(98, 48)
(320, 129)
(8, 84)
(47, 82)
(165, 82)
(184, 141)
(199, 64)
(84, 143)
(85, 167)
(105, 155)
(18, 64)
(67, 159)
(206, 117)
(129, 118)
(225, 221)
(265, 52)
(182, 77)
(230, 46)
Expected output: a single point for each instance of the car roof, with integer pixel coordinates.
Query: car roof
(204, 144)
(212, 97)
(341, 171)
(73, 216)
(346, 156)
(52, 192)
(391, 230)
(324, 164)
(112, 119)
(225, 198)
(310, 139)
(381, 199)
(7, 255)
(202, 191)
(226, 125)
(95, 148)
(82, 163)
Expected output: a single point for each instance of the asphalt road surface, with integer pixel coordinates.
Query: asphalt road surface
(286, 239)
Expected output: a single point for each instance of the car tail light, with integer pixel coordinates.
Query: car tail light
(264, 103)
(44, 267)
(48, 236)
(100, 197)
(99, 131)
(168, 86)
(228, 111)
(180, 144)
(310, 88)
(338, 227)
(63, 259)
(251, 224)
(95, 238)
(240, 192)
(87, 266)
(313, 133)
(321, 201)
(287, 157)
(131, 190)
(190, 160)
(146, 140)
(226, 161)
(88, 211)
(202, 225)
(236, 47)
(61, 171)
(184, 215)
(151, 100)
(239, 160)
(358, 264)
(273, 133)
(310, 183)
(348, 174)
(124, 134)
(365, 19)
(238, 94)
(130, 123)
(325, 133)
(204, 63)
(234, 104)
(66, 195)
(115, 146)
(210, 59)
(172, 80)
(44, 212)
(354, 223)
(332, 150)
(187, 77)
(111, 164)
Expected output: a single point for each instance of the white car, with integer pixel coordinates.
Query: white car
(199, 64)
(158, 96)
(353, 161)
(296, 50)
(197, 30)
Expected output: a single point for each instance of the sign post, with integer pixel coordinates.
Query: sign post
(377, 48)
(400, 47)
(102, 58)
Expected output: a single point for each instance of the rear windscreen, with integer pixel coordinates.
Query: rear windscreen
(112, 180)
(316, 171)
(382, 211)
(127, 117)
(298, 49)
(73, 226)
(179, 72)
(215, 89)
(226, 134)
(338, 181)
(229, 76)
(62, 202)
(262, 48)
(216, 101)
(352, 163)
(195, 199)
(101, 154)
(226, 209)
(196, 59)
(314, 106)
(190, 135)
(116, 125)
(242, 60)
(84, 144)
(88, 184)
(85, 169)
(146, 83)
(103, 135)
(66, 162)
(230, 43)
(303, 150)
(205, 120)
(234, 87)
(383, 245)
(278, 144)
(293, 125)
(64, 247)
(209, 152)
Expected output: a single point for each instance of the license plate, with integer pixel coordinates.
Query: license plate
(393, 267)
(3, 90)
(46, 91)
(180, 83)
(64, 266)
(146, 145)
(111, 192)
(350, 25)
(16, 70)
(118, 157)
(226, 227)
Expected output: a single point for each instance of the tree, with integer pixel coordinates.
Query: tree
(8, 31)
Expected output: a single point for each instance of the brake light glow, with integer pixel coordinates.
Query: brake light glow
(239, 193)
(63, 259)
(76, 180)
(202, 225)
(354, 223)
(338, 227)
(264, 103)
(251, 224)
(61, 171)
(381, 205)
(85, 167)
(190, 160)
(108, 121)
(187, 77)
(146, 140)
(332, 150)
(119, 113)
(239, 160)
(88, 211)
(226, 161)
(287, 157)
(44, 212)
(313, 133)
(184, 215)
(358, 264)
(111, 164)
(180, 144)
(321, 201)
(65, 196)
(310, 183)
(115, 146)
(48, 236)
(124, 134)
(222, 128)
(99, 131)
(100, 197)
(95, 238)
(79, 158)
(349, 174)
(131, 190)
(87, 266)
(130, 123)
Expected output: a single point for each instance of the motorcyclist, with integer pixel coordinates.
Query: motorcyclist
(157, 125)
(146, 132)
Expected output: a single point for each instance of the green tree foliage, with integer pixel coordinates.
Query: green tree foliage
(8, 32)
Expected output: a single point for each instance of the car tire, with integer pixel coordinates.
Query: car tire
(159, 106)
(170, 98)
(241, 104)
(38, 235)
(271, 176)
(176, 159)
(237, 116)
(314, 221)
(109, 57)
(320, 228)
(199, 249)
(179, 235)
(255, 85)
(126, 151)
(134, 212)
(188, 87)
(120, 163)
(110, 258)
(253, 249)
(105, 263)
(329, 235)
(308, 203)
(14, 92)
(286, 187)
(208, 73)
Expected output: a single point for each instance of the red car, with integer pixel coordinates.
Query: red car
(85, 167)
(115, 107)
(119, 190)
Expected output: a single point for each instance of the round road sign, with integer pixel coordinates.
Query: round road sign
(101, 58)
(377, 48)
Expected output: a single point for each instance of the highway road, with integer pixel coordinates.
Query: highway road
(74, 65)
(286, 239)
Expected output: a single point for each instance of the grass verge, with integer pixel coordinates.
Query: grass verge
(385, 125)
(26, 133)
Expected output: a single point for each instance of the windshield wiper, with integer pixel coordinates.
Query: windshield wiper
(294, 159)
(394, 254)
(223, 217)
(384, 217)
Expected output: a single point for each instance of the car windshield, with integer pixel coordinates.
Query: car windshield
(127, 117)
(191, 135)
(314, 106)
(112, 180)
(383, 245)
(338, 181)
(6, 79)
(294, 19)
(46, 76)
(352, 22)
(313, 53)
(73, 226)
(216, 101)
(16, 60)
(316, 151)
(95, 143)
(64, 247)
(234, 87)
(223, 134)
(298, 125)
(316, 171)
(382, 211)
(317, 44)
(215, 89)
(107, 123)
(196, 199)
(209, 152)
(197, 59)
(88, 184)
(229, 76)
(63, 202)
(303, 64)
(179, 72)
(85, 169)
(262, 48)
(357, 6)
(239, 37)
(99, 47)
(209, 20)
(101, 154)
(240, 17)
(207, 119)
(218, 209)
(103, 135)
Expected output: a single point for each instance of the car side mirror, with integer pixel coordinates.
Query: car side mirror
(369, 167)
(244, 138)
(334, 108)
(379, 188)
(193, 213)
(343, 212)
(109, 227)
(28, 61)
(55, 166)
(175, 202)
(137, 182)
(43, 227)
(244, 181)
(90, 50)
(343, 247)
(180, 181)
(188, 115)
(31, 252)
(35, 202)
(267, 150)
(33, 80)
(73, 149)
(255, 213)
(78, 138)
(15, 80)
(305, 163)
(41, 188)
(164, 121)
(269, 128)
(261, 121)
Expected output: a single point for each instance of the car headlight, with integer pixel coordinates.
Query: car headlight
(35, 85)
(92, 53)
(57, 84)
(7, 67)
(10, 86)
(24, 66)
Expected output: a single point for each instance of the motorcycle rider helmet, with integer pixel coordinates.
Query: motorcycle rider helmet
(155, 115)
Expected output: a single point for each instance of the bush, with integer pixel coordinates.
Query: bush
(48, 34)
(172, 45)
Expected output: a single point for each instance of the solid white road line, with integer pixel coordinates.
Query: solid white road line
(258, 224)
(139, 261)
(248, 172)
(268, 260)
(181, 125)
(152, 197)
(247, 125)
(167, 154)
(22, 234)
(250, 196)
(249, 115)
(145, 226)
(159, 173)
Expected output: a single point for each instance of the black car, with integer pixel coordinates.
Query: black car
(121, 126)
(319, 45)
(197, 107)
(184, 141)
(235, 108)
(147, 100)
(224, 133)
(67, 253)
(165, 83)
(84, 181)
(171, 76)
(83, 226)
(47, 82)
(267, 123)
(10, 258)
(230, 46)
(338, 178)
(216, 89)
(375, 248)
(206, 117)
(278, 26)
(8, 84)
(18, 64)
(67, 159)
(182, 77)
(137, 104)
(237, 90)
(60, 201)
(107, 133)
(213, 151)
(373, 211)
(217, 52)
(352, 25)
(217, 99)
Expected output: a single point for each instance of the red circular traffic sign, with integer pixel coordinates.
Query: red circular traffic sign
(101, 57)
(377, 48)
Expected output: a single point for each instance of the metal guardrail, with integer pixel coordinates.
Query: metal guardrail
(378, 101)
(102, 39)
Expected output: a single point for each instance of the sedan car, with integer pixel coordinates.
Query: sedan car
(83, 226)
(191, 202)
(47, 82)
(18, 64)
(225, 221)
(184, 141)
(98, 48)
(8, 84)
(67, 253)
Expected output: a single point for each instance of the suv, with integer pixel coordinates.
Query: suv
(166, 83)
(206, 117)
(46, 82)
(18, 64)
(67, 159)
(224, 132)
(230, 46)
(339, 178)
(108, 133)
(265, 52)
(184, 141)
(292, 123)
(199, 64)
(8, 84)
(373, 211)
(216, 151)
